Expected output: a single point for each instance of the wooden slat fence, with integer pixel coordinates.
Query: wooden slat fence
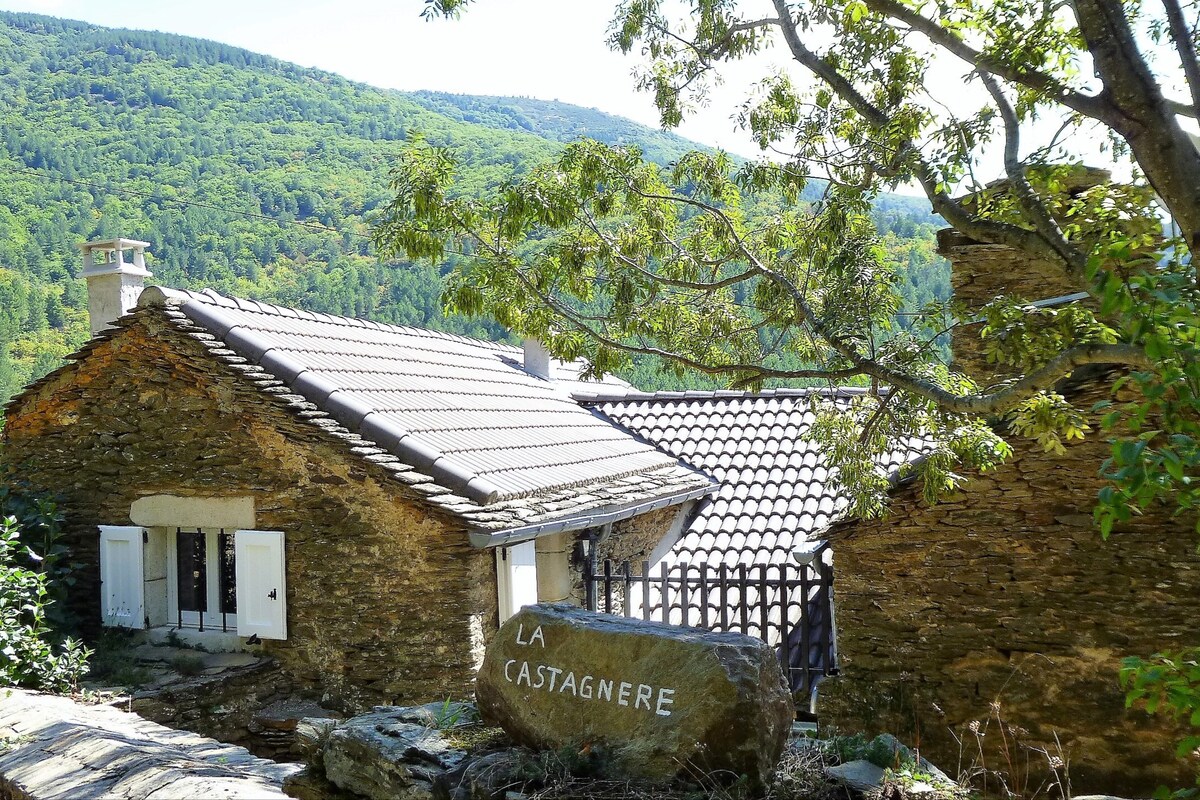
(789, 606)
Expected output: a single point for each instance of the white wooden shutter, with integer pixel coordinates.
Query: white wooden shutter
(261, 587)
(516, 574)
(122, 579)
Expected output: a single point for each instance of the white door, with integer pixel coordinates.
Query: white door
(122, 578)
(261, 588)
(516, 578)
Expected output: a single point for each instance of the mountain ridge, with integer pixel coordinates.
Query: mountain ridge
(248, 174)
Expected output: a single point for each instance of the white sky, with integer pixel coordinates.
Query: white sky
(549, 49)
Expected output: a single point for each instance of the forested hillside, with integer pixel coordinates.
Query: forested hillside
(253, 176)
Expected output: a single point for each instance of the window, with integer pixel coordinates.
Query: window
(198, 578)
(201, 585)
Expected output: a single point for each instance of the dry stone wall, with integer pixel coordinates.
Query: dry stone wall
(636, 538)
(1007, 593)
(980, 274)
(387, 601)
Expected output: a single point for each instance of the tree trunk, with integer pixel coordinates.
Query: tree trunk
(1164, 151)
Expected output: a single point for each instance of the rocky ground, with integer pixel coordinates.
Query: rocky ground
(441, 751)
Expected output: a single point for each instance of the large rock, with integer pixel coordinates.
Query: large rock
(659, 699)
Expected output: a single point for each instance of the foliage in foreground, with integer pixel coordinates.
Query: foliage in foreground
(607, 256)
(1169, 684)
(32, 656)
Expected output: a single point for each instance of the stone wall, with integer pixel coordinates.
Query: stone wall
(224, 707)
(387, 601)
(1006, 592)
(979, 274)
(634, 539)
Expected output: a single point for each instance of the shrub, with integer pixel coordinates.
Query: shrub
(30, 657)
(39, 526)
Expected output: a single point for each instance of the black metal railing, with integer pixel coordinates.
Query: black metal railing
(788, 606)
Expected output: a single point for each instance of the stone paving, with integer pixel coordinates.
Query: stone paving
(52, 748)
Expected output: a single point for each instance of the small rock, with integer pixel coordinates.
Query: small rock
(311, 735)
(861, 775)
(483, 778)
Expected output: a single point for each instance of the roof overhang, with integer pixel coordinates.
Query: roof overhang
(589, 519)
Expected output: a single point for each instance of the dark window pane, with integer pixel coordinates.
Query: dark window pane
(227, 566)
(193, 581)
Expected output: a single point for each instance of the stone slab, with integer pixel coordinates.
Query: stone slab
(52, 748)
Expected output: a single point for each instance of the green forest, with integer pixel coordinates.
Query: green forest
(259, 178)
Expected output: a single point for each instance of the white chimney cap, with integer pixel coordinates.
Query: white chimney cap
(114, 244)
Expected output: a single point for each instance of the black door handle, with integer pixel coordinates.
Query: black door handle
(271, 594)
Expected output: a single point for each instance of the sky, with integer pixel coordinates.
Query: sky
(548, 49)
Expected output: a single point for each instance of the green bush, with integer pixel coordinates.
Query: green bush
(39, 525)
(27, 641)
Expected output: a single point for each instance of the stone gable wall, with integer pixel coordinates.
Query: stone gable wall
(1007, 592)
(387, 601)
(637, 537)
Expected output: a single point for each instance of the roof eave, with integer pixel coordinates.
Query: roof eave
(587, 519)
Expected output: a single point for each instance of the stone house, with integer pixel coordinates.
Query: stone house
(1006, 592)
(365, 503)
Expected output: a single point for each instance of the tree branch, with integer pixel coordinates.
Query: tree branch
(1091, 106)
(1019, 238)
(1187, 51)
(1035, 210)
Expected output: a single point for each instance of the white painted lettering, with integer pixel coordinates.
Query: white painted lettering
(643, 696)
(638, 696)
(664, 699)
(520, 630)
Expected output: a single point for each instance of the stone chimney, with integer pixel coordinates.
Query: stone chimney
(537, 359)
(979, 273)
(113, 283)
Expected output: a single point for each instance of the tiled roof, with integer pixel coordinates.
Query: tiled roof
(775, 496)
(483, 438)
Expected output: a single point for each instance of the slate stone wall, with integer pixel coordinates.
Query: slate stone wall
(635, 538)
(223, 706)
(387, 601)
(1006, 592)
(981, 273)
